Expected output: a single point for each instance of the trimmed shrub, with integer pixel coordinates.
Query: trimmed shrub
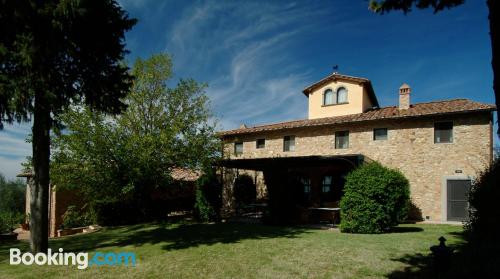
(245, 191)
(208, 198)
(375, 199)
(483, 224)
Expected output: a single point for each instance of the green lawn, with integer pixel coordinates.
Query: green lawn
(242, 251)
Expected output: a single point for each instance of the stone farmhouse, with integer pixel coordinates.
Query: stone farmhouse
(439, 146)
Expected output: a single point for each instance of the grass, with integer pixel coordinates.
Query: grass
(242, 251)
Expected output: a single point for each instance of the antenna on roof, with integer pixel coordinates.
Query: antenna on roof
(336, 69)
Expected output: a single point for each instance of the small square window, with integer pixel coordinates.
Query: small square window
(238, 148)
(306, 183)
(289, 143)
(261, 143)
(443, 132)
(341, 139)
(380, 134)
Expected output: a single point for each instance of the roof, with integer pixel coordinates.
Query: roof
(455, 106)
(183, 174)
(336, 76)
(26, 173)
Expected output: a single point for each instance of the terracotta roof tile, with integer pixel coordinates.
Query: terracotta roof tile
(416, 110)
(183, 174)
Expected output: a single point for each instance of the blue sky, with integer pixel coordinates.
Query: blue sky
(257, 56)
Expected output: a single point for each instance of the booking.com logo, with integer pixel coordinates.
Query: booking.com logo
(81, 260)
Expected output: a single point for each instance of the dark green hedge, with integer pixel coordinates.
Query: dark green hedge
(484, 224)
(375, 199)
(208, 198)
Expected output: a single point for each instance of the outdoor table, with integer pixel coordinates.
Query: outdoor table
(334, 210)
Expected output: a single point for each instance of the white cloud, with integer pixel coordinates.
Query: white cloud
(13, 148)
(245, 42)
(10, 167)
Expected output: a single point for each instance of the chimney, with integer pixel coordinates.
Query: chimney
(404, 96)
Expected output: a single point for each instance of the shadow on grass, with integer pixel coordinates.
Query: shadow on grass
(467, 261)
(6, 245)
(169, 236)
(400, 229)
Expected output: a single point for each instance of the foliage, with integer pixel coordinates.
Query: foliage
(375, 199)
(245, 191)
(118, 162)
(72, 218)
(10, 220)
(12, 195)
(65, 51)
(208, 197)
(406, 5)
(54, 54)
(483, 198)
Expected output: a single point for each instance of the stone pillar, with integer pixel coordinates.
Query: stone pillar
(228, 177)
(29, 182)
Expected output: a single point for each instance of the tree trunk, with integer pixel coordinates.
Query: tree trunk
(40, 191)
(494, 7)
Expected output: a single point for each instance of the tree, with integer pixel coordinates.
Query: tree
(53, 54)
(118, 162)
(382, 6)
(11, 195)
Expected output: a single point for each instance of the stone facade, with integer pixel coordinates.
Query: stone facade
(409, 147)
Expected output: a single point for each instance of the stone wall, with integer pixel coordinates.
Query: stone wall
(410, 148)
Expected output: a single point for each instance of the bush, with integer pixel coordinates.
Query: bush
(208, 198)
(12, 195)
(375, 199)
(73, 218)
(244, 190)
(483, 222)
(9, 221)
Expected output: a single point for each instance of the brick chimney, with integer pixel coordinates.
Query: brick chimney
(404, 96)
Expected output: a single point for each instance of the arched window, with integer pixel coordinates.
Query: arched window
(341, 95)
(328, 97)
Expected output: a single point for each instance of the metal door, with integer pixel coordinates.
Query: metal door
(457, 197)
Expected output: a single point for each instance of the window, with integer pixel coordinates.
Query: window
(331, 97)
(306, 184)
(289, 143)
(261, 143)
(326, 184)
(238, 148)
(443, 132)
(341, 95)
(328, 98)
(341, 139)
(380, 134)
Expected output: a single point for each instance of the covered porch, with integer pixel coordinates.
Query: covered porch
(301, 189)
